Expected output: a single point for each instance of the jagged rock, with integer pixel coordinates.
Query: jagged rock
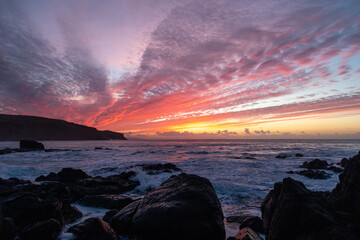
(253, 222)
(45, 230)
(109, 215)
(153, 169)
(315, 164)
(93, 229)
(335, 169)
(314, 174)
(291, 210)
(299, 155)
(343, 162)
(106, 201)
(31, 145)
(182, 207)
(346, 194)
(66, 174)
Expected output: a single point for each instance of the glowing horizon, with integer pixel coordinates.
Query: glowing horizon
(185, 69)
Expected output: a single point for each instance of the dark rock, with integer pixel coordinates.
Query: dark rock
(153, 169)
(182, 207)
(70, 213)
(31, 145)
(46, 230)
(93, 229)
(335, 169)
(291, 210)
(282, 156)
(290, 172)
(253, 222)
(26, 210)
(6, 151)
(109, 215)
(343, 162)
(66, 174)
(236, 219)
(315, 164)
(247, 234)
(346, 194)
(314, 174)
(106, 201)
(8, 231)
(299, 155)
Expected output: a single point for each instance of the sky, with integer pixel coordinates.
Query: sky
(185, 68)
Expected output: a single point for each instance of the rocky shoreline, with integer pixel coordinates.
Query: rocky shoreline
(183, 207)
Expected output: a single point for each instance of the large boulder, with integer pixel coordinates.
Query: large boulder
(182, 207)
(253, 222)
(31, 145)
(93, 229)
(66, 174)
(291, 211)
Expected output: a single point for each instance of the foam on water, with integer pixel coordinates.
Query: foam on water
(242, 172)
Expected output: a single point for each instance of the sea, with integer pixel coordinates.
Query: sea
(241, 171)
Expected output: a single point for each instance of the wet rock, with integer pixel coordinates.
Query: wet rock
(182, 207)
(247, 234)
(299, 155)
(291, 211)
(66, 174)
(109, 215)
(70, 213)
(315, 164)
(106, 201)
(253, 222)
(282, 156)
(8, 231)
(31, 145)
(6, 151)
(93, 229)
(45, 230)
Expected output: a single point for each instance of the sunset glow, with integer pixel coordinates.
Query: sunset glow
(185, 69)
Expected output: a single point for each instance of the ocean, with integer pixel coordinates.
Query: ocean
(241, 171)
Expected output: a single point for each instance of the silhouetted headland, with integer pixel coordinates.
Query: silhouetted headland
(17, 127)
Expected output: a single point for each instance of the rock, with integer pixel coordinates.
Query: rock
(335, 169)
(153, 169)
(314, 174)
(247, 234)
(282, 156)
(236, 219)
(315, 164)
(346, 194)
(109, 215)
(253, 222)
(343, 162)
(8, 231)
(6, 151)
(93, 229)
(66, 174)
(26, 210)
(299, 155)
(31, 145)
(291, 211)
(182, 207)
(46, 230)
(106, 201)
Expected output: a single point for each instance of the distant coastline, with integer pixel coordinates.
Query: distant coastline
(17, 127)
